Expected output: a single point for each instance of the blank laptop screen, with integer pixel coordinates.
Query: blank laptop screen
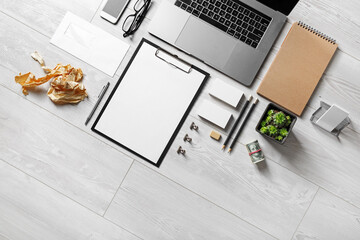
(284, 6)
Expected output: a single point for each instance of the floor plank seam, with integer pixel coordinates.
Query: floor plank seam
(101, 4)
(297, 227)
(81, 205)
(118, 187)
(315, 184)
(33, 177)
(94, 136)
(336, 195)
(202, 197)
(17, 20)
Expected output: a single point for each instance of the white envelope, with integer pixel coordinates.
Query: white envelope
(90, 43)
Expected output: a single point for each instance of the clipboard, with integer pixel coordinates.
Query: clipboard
(150, 102)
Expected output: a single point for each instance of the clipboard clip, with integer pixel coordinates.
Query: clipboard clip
(171, 59)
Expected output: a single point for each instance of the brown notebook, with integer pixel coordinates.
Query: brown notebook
(297, 68)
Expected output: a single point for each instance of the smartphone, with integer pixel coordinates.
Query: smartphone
(113, 9)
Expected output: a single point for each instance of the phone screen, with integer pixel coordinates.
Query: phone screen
(114, 7)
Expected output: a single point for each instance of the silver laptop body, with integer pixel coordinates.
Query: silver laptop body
(219, 49)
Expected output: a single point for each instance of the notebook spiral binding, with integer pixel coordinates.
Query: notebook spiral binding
(316, 32)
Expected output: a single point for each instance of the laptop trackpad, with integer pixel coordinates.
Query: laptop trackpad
(206, 42)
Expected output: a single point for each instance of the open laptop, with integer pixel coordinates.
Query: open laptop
(232, 36)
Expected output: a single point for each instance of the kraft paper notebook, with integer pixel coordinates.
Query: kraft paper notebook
(297, 68)
(150, 102)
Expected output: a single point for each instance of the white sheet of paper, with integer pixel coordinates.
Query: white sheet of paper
(214, 113)
(90, 43)
(225, 92)
(149, 104)
(332, 118)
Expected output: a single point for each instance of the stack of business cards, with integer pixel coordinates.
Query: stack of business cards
(226, 93)
(214, 113)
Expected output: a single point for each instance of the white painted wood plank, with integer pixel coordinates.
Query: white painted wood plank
(29, 210)
(257, 194)
(330, 218)
(45, 15)
(58, 154)
(156, 208)
(338, 19)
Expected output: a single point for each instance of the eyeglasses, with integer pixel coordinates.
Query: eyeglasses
(133, 21)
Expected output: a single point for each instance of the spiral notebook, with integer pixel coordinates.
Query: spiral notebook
(298, 67)
(150, 102)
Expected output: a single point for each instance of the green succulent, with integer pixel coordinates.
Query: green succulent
(288, 121)
(283, 132)
(268, 120)
(263, 124)
(279, 138)
(275, 124)
(273, 131)
(264, 130)
(270, 112)
(279, 119)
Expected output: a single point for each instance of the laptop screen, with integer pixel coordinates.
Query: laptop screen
(284, 6)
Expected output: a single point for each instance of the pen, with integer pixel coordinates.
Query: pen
(101, 95)
(243, 124)
(236, 122)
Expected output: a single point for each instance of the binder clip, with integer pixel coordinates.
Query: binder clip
(193, 126)
(187, 138)
(181, 150)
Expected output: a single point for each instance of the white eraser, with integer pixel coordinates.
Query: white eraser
(225, 92)
(332, 118)
(215, 114)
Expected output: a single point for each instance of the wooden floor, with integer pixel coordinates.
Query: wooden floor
(59, 180)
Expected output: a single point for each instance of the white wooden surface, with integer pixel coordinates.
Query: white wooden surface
(59, 180)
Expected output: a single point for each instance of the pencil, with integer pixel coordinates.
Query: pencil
(243, 124)
(236, 122)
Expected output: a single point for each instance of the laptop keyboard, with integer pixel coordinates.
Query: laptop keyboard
(235, 18)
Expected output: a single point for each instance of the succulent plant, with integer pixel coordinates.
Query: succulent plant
(279, 119)
(270, 112)
(263, 124)
(264, 130)
(273, 131)
(288, 121)
(279, 138)
(276, 124)
(268, 119)
(283, 132)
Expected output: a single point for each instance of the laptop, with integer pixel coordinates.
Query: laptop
(231, 36)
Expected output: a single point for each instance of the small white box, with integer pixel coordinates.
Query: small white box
(226, 93)
(214, 114)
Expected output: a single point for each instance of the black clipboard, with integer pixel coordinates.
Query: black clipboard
(173, 61)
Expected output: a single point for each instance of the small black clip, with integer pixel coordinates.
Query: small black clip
(181, 150)
(187, 138)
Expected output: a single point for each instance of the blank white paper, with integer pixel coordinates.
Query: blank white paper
(90, 43)
(149, 104)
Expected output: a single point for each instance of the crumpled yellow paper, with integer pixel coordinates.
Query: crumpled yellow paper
(64, 87)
